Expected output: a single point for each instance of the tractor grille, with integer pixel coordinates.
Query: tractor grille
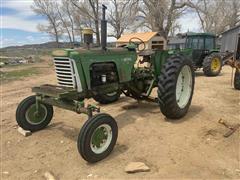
(65, 72)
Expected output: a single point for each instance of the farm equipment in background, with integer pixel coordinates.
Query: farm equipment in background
(103, 74)
(204, 52)
(234, 62)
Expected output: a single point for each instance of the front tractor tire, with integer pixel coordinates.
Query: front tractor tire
(97, 137)
(212, 65)
(176, 86)
(107, 98)
(237, 79)
(29, 118)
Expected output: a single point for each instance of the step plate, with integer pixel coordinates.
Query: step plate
(55, 91)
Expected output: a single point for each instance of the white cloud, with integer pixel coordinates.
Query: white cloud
(189, 22)
(20, 19)
(23, 6)
(15, 22)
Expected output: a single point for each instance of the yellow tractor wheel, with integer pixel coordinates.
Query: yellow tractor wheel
(212, 65)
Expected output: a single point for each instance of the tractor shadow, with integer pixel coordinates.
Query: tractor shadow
(67, 131)
(134, 110)
(121, 100)
(193, 111)
(117, 150)
(201, 74)
(129, 113)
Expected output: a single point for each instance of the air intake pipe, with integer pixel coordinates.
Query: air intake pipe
(104, 29)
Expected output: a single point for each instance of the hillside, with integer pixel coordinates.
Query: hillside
(36, 49)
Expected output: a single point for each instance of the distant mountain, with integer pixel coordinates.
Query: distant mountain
(38, 49)
(40, 46)
(48, 45)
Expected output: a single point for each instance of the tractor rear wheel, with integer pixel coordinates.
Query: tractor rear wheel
(237, 79)
(212, 65)
(176, 86)
(29, 118)
(107, 98)
(97, 137)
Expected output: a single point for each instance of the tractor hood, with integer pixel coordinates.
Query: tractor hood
(94, 51)
(78, 65)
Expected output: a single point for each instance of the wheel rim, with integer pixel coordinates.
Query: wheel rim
(184, 86)
(34, 117)
(215, 64)
(101, 138)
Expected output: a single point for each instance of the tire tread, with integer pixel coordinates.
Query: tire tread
(167, 86)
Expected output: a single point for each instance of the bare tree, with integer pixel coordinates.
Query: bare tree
(90, 10)
(121, 15)
(79, 23)
(47, 8)
(66, 15)
(216, 15)
(160, 15)
(70, 11)
(65, 24)
(234, 10)
(176, 27)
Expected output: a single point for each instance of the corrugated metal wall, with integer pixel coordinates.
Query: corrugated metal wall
(229, 40)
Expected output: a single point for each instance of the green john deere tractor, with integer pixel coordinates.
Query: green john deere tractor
(204, 52)
(104, 74)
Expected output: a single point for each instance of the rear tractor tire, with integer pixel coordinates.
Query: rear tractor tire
(28, 118)
(212, 65)
(237, 79)
(176, 86)
(107, 98)
(97, 137)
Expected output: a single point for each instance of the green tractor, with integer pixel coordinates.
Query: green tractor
(104, 74)
(204, 52)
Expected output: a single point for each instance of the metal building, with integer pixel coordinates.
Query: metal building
(230, 39)
(176, 43)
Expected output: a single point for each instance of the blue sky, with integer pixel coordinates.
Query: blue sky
(19, 23)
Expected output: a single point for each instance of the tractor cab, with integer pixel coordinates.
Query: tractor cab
(202, 44)
(204, 41)
(203, 52)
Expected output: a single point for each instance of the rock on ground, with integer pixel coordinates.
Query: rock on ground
(49, 176)
(24, 132)
(134, 167)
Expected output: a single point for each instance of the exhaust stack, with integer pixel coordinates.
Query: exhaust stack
(104, 29)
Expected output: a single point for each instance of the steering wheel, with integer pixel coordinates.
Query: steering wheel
(137, 43)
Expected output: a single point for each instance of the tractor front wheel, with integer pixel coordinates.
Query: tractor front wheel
(237, 79)
(212, 65)
(31, 118)
(176, 86)
(97, 137)
(107, 98)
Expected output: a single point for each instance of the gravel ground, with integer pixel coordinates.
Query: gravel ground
(193, 147)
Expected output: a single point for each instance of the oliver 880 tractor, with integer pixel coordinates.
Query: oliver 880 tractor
(104, 74)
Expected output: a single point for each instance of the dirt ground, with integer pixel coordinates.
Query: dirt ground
(193, 147)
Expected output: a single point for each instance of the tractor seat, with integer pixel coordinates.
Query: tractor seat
(146, 52)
